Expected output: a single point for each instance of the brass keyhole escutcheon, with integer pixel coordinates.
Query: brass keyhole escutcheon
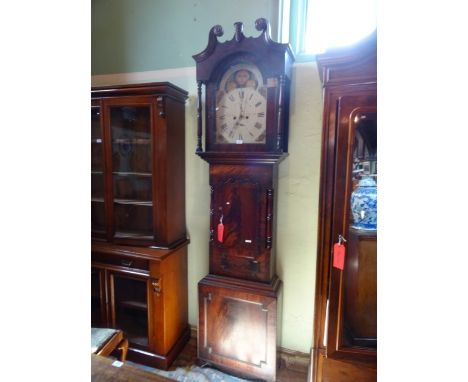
(156, 283)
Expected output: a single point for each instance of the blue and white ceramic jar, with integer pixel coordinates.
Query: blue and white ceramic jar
(364, 205)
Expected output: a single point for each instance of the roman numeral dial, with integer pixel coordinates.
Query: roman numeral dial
(241, 117)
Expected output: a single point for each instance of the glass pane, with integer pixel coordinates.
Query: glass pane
(96, 155)
(360, 279)
(132, 168)
(133, 187)
(97, 185)
(96, 122)
(96, 140)
(97, 176)
(131, 139)
(241, 106)
(98, 219)
(131, 308)
(131, 218)
(95, 298)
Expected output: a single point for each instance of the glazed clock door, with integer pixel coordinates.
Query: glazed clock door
(243, 116)
(352, 325)
(241, 105)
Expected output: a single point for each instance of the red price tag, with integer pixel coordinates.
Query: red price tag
(220, 232)
(338, 256)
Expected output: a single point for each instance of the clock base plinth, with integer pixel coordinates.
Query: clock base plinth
(238, 325)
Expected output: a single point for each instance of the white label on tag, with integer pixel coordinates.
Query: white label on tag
(248, 241)
(272, 82)
(239, 141)
(117, 363)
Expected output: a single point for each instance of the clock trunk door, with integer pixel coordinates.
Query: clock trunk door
(240, 201)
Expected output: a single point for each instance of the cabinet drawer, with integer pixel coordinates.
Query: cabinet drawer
(120, 260)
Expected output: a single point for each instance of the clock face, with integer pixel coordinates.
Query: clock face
(241, 106)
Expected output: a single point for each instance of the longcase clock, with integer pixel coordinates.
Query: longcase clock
(246, 83)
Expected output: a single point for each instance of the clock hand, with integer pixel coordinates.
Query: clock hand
(241, 109)
(243, 104)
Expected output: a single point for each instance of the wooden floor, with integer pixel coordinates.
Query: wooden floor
(188, 357)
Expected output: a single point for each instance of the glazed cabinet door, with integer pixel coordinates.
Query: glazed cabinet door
(242, 200)
(129, 129)
(98, 211)
(352, 300)
(130, 300)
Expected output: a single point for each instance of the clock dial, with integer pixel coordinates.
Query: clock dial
(241, 117)
(241, 106)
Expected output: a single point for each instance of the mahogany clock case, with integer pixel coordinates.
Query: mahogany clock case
(247, 83)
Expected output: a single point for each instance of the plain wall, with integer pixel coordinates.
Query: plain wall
(299, 174)
(140, 35)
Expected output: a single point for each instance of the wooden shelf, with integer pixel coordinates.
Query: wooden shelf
(132, 235)
(133, 305)
(134, 202)
(134, 141)
(121, 173)
(363, 234)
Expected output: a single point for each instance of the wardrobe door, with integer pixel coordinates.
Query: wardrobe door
(351, 325)
(345, 329)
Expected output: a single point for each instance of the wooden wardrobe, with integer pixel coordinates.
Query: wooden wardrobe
(345, 325)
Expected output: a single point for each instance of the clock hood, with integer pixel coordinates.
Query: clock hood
(260, 49)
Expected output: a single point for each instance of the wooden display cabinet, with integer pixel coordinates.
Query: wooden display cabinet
(345, 331)
(139, 240)
(137, 164)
